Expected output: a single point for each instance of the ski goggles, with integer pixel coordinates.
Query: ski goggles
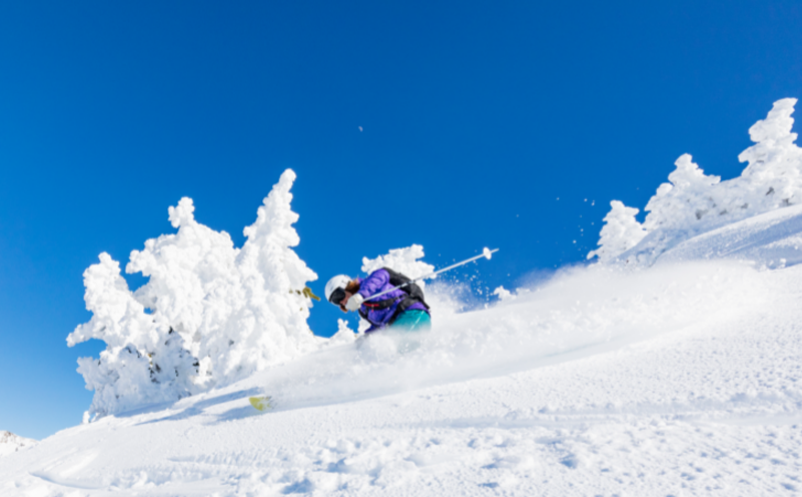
(337, 296)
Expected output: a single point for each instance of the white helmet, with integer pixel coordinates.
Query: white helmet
(339, 281)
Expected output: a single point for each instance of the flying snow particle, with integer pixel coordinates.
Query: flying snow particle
(360, 129)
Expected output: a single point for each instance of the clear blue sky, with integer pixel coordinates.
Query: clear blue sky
(477, 116)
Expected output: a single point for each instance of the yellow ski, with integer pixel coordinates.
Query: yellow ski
(261, 403)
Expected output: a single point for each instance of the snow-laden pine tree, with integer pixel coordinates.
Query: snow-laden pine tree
(685, 199)
(621, 232)
(209, 315)
(773, 177)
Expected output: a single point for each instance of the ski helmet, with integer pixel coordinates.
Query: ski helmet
(338, 282)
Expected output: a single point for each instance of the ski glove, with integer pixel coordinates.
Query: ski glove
(354, 302)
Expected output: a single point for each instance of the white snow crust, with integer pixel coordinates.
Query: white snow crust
(673, 368)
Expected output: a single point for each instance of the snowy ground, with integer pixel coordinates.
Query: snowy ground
(681, 379)
(10, 443)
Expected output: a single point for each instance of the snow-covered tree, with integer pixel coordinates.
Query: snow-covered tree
(773, 177)
(210, 313)
(684, 200)
(621, 232)
(693, 203)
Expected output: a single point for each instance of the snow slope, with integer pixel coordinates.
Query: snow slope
(772, 240)
(684, 378)
(10, 443)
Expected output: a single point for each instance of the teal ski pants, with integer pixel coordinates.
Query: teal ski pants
(414, 320)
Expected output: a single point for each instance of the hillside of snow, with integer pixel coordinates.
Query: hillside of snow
(673, 366)
(10, 443)
(680, 380)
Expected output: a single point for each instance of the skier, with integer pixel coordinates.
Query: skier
(402, 308)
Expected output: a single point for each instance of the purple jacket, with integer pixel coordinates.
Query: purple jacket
(377, 282)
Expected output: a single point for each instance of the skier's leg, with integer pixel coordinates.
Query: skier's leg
(414, 320)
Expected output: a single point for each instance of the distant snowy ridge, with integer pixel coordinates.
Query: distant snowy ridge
(10, 443)
(209, 315)
(692, 203)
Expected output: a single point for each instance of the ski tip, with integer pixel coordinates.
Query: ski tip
(261, 404)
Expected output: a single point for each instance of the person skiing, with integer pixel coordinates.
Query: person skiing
(401, 308)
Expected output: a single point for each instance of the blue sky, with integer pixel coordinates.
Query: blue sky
(476, 117)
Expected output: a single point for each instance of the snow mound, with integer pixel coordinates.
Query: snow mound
(692, 203)
(209, 315)
(10, 443)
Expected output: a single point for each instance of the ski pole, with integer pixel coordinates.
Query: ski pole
(486, 253)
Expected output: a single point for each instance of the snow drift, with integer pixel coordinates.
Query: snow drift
(10, 443)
